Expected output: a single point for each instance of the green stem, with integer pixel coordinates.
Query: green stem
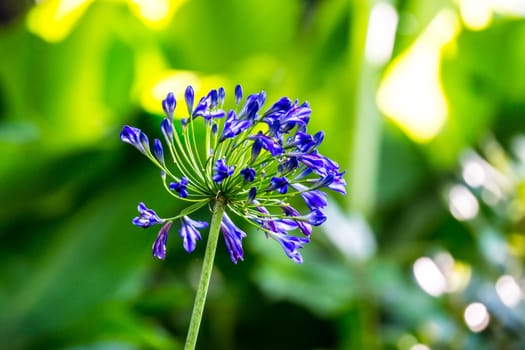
(204, 281)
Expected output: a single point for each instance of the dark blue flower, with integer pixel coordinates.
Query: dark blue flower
(290, 245)
(180, 187)
(296, 116)
(314, 199)
(338, 184)
(306, 143)
(305, 227)
(233, 126)
(136, 138)
(318, 138)
(288, 165)
(222, 171)
(221, 95)
(252, 105)
(316, 217)
(328, 166)
(250, 109)
(248, 174)
(207, 107)
(279, 184)
(213, 98)
(189, 233)
(252, 194)
(157, 151)
(279, 108)
(189, 96)
(167, 130)
(147, 217)
(238, 94)
(311, 160)
(201, 108)
(233, 237)
(262, 141)
(159, 246)
(259, 189)
(169, 104)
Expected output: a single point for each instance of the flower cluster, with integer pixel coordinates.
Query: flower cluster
(254, 160)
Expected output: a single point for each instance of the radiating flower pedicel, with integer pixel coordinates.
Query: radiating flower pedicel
(253, 160)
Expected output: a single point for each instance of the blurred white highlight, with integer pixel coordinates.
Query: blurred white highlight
(420, 347)
(509, 291)
(473, 174)
(381, 34)
(478, 14)
(429, 277)
(476, 317)
(350, 234)
(462, 203)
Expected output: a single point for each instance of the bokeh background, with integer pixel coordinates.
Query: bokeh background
(423, 102)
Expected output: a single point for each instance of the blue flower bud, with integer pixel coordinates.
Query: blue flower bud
(134, 137)
(180, 187)
(233, 237)
(248, 174)
(189, 96)
(169, 104)
(238, 94)
(222, 95)
(157, 151)
(147, 217)
(252, 194)
(279, 184)
(167, 129)
(316, 217)
(159, 246)
(222, 171)
(213, 97)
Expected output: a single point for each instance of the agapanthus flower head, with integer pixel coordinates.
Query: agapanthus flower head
(255, 161)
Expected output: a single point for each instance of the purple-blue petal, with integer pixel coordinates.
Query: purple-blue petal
(316, 217)
(147, 217)
(167, 129)
(233, 237)
(305, 227)
(279, 184)
(238, 94)
(189, 233)
(158, 151)
(169, 104)
(132, 136)
(252, 194)
(222, 171)
(221, 95)
(189, 96)
(159, 246)
(180, 187)
(290, 245)
(248, 174)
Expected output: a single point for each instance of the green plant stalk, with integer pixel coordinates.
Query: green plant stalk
(207, 267)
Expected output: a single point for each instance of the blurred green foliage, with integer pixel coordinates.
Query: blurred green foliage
(75, 274)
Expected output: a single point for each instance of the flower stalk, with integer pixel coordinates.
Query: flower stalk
(204, 280)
